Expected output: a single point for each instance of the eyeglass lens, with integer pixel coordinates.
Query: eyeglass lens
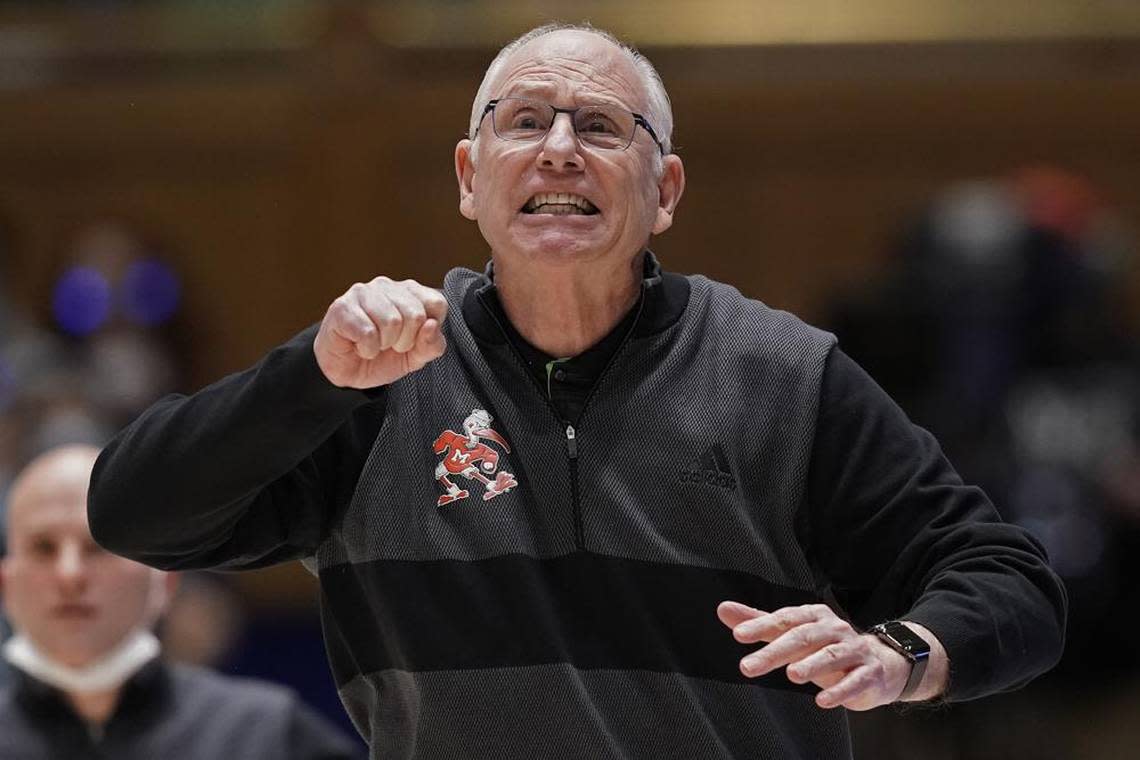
(599, 125)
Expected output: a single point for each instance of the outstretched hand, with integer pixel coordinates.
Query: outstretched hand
(379, 331)
(854, 670)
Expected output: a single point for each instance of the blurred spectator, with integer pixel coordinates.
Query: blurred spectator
(91, 682)
(28, 355)
(84, 359)
(69, 385)
(117, 300)
(1001, 328)
(107, 357)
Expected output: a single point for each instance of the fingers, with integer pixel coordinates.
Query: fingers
(429, 344)
(861, 689)
(398, 313)
(383, 314)
(816, 646)
(791, 646)
(377, 332)
(733, 614)
(350, 330)
(769, 627)
(433, 301)
(835, 657)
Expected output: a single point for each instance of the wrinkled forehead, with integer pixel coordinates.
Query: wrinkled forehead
(571, 65)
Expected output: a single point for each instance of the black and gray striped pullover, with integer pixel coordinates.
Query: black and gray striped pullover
(541, 582)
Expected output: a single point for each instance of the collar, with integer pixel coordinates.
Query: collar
(664, 296)
(146, 691)
(109, 672)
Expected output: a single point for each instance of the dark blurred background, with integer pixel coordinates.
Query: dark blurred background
(952, 187)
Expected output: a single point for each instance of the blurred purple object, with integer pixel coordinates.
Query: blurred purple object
(81, 301)
(150, 292)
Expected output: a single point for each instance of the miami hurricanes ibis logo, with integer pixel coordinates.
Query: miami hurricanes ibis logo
(466, 455)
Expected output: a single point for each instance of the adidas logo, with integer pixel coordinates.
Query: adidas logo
(711, 468)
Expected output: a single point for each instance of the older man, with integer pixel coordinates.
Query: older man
(90, 679)
(530, 498)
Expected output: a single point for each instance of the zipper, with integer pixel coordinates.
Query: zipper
(572, 450)
(571, 433)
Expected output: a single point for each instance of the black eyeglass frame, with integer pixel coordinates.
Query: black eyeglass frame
(638, 120)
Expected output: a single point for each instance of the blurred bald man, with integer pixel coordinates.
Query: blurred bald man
(90, 680)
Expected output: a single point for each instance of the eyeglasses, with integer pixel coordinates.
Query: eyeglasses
(600, 126)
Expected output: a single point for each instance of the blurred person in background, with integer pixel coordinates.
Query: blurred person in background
(28, 356)
(556, 509)
(117, 301)
(30, 360)
(98, 362)
(105, 356)
(90, 679)
(1001, 322)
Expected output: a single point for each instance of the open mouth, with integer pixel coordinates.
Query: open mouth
(559, 204)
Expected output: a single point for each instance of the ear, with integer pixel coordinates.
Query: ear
(670, 187)
(163, 587)
(172, 581)
(465, 175)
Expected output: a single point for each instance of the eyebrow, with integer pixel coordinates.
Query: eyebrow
(35, 536)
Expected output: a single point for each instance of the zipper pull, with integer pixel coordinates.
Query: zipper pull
(572, 441)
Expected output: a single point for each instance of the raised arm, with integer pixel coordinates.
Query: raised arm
(247, 472)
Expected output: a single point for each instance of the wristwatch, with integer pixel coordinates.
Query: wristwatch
(910, 645)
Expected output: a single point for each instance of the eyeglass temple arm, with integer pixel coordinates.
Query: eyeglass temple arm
(486, 110)
(639, 119)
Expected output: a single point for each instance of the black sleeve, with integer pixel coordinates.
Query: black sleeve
(892, 529)
(245, 473)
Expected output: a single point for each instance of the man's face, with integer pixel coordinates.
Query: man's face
(74, 600)
(634, 191)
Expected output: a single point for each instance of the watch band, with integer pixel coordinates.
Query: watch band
(901, 638)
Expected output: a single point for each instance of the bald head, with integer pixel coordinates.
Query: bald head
(655, 99)
(57, 476)
(71, 598)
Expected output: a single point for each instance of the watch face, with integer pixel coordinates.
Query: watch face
(906, 639)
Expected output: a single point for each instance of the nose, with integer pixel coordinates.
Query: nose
(70, 567)
(561, 150)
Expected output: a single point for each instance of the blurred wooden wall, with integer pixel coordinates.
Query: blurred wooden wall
(277, 179)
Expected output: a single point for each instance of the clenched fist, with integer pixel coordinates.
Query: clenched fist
(379, 331)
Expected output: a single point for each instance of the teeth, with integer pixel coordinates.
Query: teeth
(543, 199)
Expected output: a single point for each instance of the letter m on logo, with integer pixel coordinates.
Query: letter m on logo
(459, 456)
